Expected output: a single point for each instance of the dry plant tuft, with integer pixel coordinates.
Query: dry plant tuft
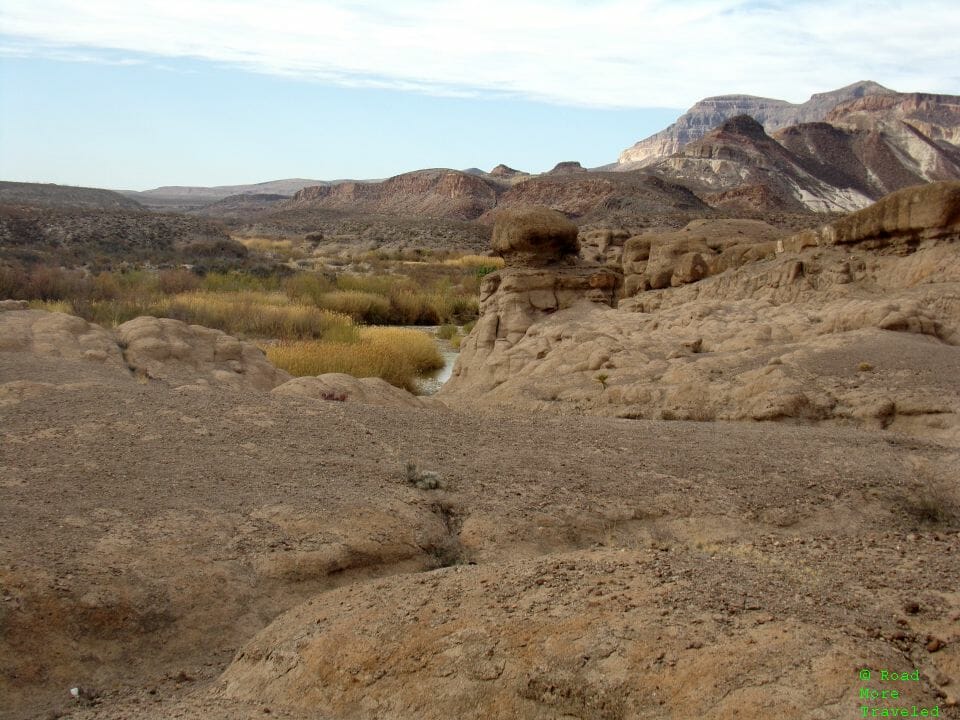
(257, 314)
(934, 498)
(397, 355)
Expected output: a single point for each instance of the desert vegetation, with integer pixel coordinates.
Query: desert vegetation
(395, 354)
(309, 321)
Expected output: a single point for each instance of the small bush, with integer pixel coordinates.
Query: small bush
(105, 286)
(52, 283)
(936, 503)
(864, 367)
(422, 479)
(218, 248)
(417, 346)
(173, 282)
(307, 287)
(447, 332)
(12, 281)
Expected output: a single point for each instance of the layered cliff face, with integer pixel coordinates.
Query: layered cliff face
(813, 166)
(936, 116)
(866, 160)
(739, 156)
(857, 323)
(837, 152)
(711, 112)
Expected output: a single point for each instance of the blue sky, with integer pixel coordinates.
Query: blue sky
(144, 93)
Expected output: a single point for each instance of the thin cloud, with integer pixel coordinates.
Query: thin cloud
(610, 53)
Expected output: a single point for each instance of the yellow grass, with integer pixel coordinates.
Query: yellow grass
(361, 306)
(262, 244)
(395, 354)
(307, 286)
(257, 314)
(269, 246)
(415, 345)
(475, 261)
(60, 306)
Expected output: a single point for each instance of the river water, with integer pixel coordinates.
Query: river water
(432, 382)
(428, 385)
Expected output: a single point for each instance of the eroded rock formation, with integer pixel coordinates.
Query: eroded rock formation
(56, 335)
(861, 329)
(656, 260)
(542, 276)
(176, 352)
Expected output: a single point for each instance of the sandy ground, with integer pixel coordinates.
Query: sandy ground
(148, 534)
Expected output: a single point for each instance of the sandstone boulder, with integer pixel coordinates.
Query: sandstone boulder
(338, 387)
(178, 353)
(533, 236)
(57, 335)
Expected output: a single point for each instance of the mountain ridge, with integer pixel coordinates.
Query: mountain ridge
(709, 112)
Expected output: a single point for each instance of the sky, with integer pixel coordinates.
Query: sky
(142, 93)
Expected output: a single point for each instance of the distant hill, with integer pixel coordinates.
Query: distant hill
(238, 207)
(102, 238)
(184, 197)
(710, 112)
(457, 195)
(435, 192)
(737, 165)
(50, 195)
(839, 151)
